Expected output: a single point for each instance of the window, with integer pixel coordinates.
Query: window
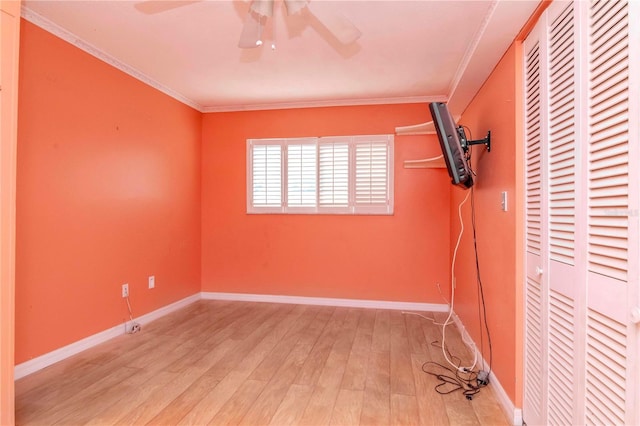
(339, 175)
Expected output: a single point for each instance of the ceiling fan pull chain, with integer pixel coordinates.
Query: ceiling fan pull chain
(273, 34)
(260, 28)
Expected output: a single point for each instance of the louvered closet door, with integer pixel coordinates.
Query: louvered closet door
(535, 293)
(581, 344)
(566, 231)
(612, 375)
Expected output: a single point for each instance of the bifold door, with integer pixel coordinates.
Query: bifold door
(582, 77)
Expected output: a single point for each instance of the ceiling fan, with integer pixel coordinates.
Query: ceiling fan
(260, 11)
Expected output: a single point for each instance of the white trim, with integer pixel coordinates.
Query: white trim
(92, 50)
(83, 45)
(327, 103)
(35, 364)
(486, 50)
(471, 49)
(282, 146)
(513, 413)
(38, 363)
(327, 301)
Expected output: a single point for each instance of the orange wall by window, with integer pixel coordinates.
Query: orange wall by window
(496, 108)
(108, 193)
(395, 258)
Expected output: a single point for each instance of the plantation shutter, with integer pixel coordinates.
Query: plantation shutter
(582, 287)
(371, 171)
(333, 173)
(267, 176)
(301, 174)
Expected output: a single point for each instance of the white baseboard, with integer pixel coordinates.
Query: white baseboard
(514, 414)
(38, 363)
(327, 301)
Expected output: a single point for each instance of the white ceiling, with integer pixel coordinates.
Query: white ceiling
(409, 50)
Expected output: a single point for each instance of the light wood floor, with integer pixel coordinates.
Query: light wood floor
(217, 362)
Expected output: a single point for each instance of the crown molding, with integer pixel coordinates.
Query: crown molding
(74, 40)
(471, 49)
(69, 37)
(327, 103)
(488, 47)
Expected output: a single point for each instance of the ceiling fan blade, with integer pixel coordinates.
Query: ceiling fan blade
(339, 26)
(262, 7)
(295, 6)
(151, 7)
(251, 32)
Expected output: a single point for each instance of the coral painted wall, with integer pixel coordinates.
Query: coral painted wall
(397, 258)
(108, 193)
(496, 107)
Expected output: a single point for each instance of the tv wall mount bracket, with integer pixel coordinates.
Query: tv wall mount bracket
(467, 143)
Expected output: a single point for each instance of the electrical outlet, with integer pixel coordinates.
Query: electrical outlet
(152, 281)
(125, 290)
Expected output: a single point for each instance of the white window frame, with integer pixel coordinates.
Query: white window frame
(352, 206)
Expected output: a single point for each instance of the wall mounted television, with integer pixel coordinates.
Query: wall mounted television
(455, 145)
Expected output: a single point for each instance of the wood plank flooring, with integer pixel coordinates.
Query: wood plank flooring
(221, 362)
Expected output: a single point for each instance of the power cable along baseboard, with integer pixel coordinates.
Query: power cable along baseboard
(464, 378)
(135, 327)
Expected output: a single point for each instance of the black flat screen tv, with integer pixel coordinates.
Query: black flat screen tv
(453, 145)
